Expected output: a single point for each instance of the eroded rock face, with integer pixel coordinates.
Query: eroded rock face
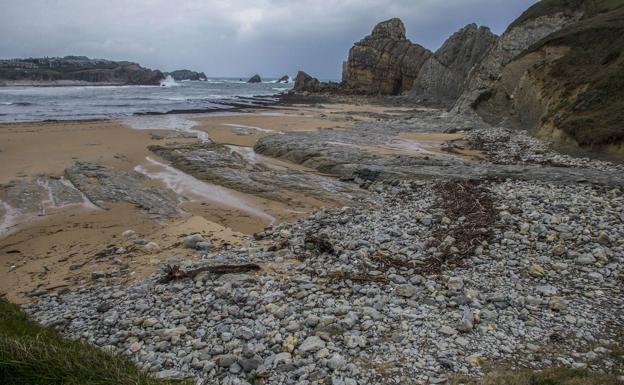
(442, 77)
(385, 62)
(485, 77)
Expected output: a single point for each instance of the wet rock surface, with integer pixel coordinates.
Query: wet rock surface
(222, 165)
(348, 154)
(104, 185)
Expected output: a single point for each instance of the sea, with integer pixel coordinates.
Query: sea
(24, 104)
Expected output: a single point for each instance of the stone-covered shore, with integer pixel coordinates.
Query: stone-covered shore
(424, 276)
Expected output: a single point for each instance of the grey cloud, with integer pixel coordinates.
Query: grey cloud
(231, 38)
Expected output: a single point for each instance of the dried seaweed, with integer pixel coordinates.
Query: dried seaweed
(319, 243)
(388, 261)
(467, 199)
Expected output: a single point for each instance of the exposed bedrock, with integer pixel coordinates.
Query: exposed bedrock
(354, 155)
(103, 185)
(528, 29)
(223, 166)
(442, 77)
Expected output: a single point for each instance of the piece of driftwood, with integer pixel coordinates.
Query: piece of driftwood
(174, 272)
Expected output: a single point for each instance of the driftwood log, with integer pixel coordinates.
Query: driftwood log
(175, 272)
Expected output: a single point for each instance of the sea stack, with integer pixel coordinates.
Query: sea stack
(385, 62)
(255, 79)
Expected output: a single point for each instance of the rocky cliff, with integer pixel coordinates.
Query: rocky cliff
(78, 69)
(570, 86)
(442, 77)
(533, 25)
(566, 84)
(385, 62)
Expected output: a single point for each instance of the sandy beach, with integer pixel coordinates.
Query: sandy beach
(51, 245)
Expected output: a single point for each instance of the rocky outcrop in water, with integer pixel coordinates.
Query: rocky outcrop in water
(385, 62)
(305, 83)
(42, 71)
(180, 75)
(255, 79)
(283, 79)
(442, 77)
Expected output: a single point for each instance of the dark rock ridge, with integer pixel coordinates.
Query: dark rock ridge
(284, 79)
(77, 69)
(385, 62)
(180, 75)
(305, 83)
(442, 77)
(255, 79)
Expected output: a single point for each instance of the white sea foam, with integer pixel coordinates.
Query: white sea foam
(9, 219)
(248, 127)
(86, 202)
(193, 189)
(169, 82)
(176, 122)
(247, 153)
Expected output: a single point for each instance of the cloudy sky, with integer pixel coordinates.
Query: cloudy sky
(232, 37)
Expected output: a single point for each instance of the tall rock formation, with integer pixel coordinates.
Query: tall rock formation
(385, 62)
(442, 77)
(539, 21)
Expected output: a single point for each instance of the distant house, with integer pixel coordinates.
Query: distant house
(17, 63)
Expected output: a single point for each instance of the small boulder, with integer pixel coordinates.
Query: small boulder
(98, 274)
(311, 344)
(151, 247)
(191, 241)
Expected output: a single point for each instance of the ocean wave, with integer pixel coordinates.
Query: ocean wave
(21, 104)
(169, 82)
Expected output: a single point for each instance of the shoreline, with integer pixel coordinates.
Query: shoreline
(373, 210)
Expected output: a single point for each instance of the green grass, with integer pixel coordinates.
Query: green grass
(589, 8)
(33, 355)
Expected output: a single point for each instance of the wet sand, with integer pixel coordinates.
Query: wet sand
(245, 129)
